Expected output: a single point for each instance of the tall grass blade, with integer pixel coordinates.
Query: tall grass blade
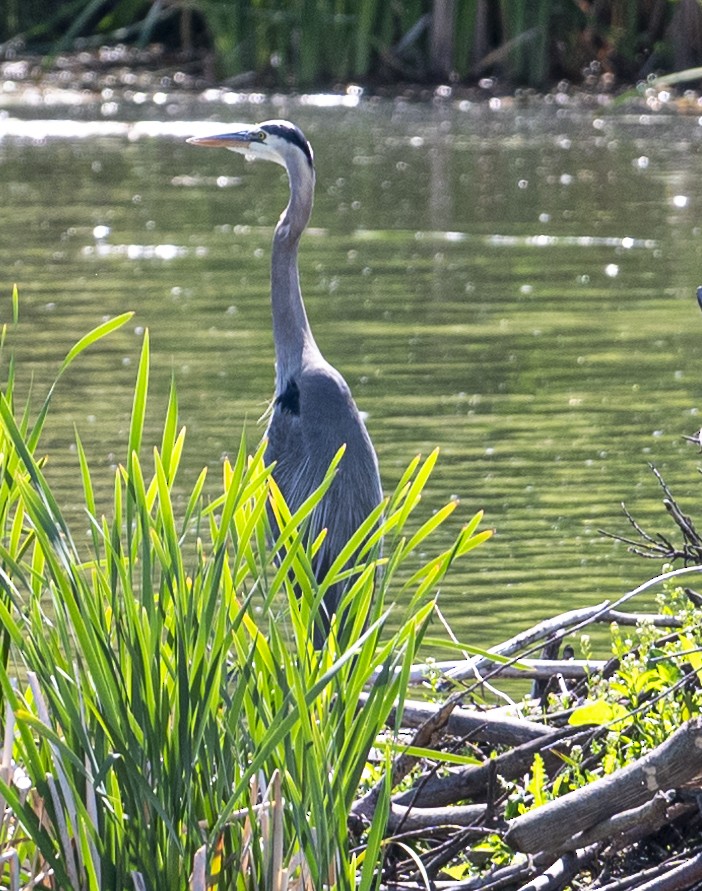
(15, 304)
(93, 337)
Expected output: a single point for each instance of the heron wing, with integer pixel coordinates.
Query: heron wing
(314, 415)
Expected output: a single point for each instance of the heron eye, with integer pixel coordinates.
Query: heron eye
(261, 136)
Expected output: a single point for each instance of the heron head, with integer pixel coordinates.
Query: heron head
(277, 141)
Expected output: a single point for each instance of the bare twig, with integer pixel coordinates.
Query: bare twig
(677, 879)
(472, 668)
(658, 546)
(558, 874)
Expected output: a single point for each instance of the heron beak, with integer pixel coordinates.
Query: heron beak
(237, 141)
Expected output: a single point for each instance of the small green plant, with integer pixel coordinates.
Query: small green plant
(164, 701)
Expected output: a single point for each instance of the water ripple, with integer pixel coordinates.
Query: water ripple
(498, 240)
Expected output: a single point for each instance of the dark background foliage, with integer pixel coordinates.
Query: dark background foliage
(300, 43)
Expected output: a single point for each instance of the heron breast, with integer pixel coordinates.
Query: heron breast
(289, 399)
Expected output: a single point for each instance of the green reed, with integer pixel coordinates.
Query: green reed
(171, 724)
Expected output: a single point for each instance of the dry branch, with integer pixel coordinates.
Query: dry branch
(635, 881)
(467, 782)
(558, 874)
(504, 877)
(425, 737)
(656, 619)
(678, 879)
(526, 669)
(474, 725)
(545, 669)
(473, 668)
(554, 826)
(410, 819)
(638, 822)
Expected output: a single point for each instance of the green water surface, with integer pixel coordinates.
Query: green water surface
(515, 285)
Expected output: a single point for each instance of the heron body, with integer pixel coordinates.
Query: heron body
(313, 413)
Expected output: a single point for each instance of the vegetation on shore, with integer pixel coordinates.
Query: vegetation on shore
(281, 44)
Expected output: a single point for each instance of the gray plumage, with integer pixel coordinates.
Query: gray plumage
(313, 411)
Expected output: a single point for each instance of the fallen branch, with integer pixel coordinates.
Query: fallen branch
(541, 669)
(364, 807)
(562, 871)
(503, 877)
(638, 879)
(472, 668)
(411, 819)
(673, 763)
(474, 725)
(643, 820)
(678, 879)
(557, 627)
(458, 784)
(632, 619)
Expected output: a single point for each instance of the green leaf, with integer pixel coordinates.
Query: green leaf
(15, 304)
(433, 755)
(692, 654)
(136, 428)
(538, 782)
(93, 336)
(600, 713)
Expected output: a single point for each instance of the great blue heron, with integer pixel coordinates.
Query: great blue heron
(313, 412)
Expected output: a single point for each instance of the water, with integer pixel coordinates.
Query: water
(515, 285)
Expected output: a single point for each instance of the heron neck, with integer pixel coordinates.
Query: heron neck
(291, 329)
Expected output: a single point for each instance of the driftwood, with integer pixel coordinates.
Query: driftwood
(556, 825)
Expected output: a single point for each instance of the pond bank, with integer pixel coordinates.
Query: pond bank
(125, 74)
